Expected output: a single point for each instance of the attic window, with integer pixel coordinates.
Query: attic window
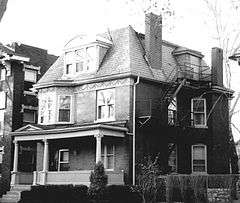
(80, 60)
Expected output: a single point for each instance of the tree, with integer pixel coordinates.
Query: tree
(225, 19)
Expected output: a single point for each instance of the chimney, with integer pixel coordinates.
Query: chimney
(217, 66)
(153, 40)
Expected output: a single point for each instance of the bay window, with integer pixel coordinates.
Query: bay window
(106, 104)
(46, 110)
(64, 109)
(198, 109)
(199, 158)
(107, 156)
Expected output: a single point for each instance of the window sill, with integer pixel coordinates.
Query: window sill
(104, 120)
(109, 170)
(199, 173)
(200, 126)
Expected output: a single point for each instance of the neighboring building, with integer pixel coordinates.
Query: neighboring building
(21, 66)
(92, 96)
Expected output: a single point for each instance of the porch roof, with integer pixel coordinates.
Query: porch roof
(31, 132)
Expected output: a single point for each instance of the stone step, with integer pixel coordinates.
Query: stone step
(9, 200)
(20, 187)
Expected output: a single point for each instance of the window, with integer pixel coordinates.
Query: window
(29, 116)
(172, 159)
(172, 112)
(30, 75)
(3, 100)
(108, 156)
(199, 112)
(69, 68)
(199, 158)
(63, 160)
(64, 108)
(46, 110)
(1, 158)
(1, 122)
(106, 104)
(2, 73)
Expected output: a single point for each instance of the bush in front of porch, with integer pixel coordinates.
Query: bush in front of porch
(98, 182)
(56, 194)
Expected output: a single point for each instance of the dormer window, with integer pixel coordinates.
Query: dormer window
(80, 60)
(83, 54)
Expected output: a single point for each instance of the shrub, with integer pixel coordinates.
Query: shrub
(55, 194)
(122, 193)
(98, 182)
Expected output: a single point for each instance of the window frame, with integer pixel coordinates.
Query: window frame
(59, 158)
(2, 111)
(70, 109)
(3, 94)
(205, 158)
(33, 71)
(106, 154)
(199, 112)
(47, 111)
(114, 106)
(34, 112)
(176, 154)
(3, 73)
(1, 161)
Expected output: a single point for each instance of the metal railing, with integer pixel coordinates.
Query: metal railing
(194, 72)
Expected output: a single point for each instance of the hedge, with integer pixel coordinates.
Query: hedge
(79, 194)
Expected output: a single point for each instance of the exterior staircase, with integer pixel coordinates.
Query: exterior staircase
(14, 195)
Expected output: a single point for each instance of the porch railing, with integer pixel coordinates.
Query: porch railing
(63, 177)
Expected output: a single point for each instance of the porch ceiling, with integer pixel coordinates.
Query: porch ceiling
(82, 131)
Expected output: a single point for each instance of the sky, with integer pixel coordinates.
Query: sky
(50, 24)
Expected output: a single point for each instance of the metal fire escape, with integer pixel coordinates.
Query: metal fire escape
(181, 75)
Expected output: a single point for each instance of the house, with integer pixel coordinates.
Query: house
(119, 97)
(21, 66)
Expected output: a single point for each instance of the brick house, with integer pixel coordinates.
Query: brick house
(119, 97)
(21, 66)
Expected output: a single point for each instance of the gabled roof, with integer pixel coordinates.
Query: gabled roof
(126, 56)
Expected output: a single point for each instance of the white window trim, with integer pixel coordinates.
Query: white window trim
(2, 153)
(2, 123)
(71, 109)
(59, 158)
(176, 157)
(5, 73)
(30, 70)
(105, 157)
(100, 120)
(205, 149)
(34, 112)
(5, 99)
(205, 113)
(75, 61)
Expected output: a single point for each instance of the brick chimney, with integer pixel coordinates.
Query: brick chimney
(153, 40)
(217, 66)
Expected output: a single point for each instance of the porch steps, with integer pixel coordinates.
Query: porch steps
(13, 196)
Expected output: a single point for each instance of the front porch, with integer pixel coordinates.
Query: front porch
(42, 157)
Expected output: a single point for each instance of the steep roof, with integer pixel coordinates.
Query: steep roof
(126, 56)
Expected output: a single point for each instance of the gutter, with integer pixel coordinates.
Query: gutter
(134, 129)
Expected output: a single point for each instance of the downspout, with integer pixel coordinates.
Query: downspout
(134, 129)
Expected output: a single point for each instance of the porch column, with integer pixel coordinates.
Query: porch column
(45, 156)
(15, 164)
(98, 146)
(15, 161)
(45, 163)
